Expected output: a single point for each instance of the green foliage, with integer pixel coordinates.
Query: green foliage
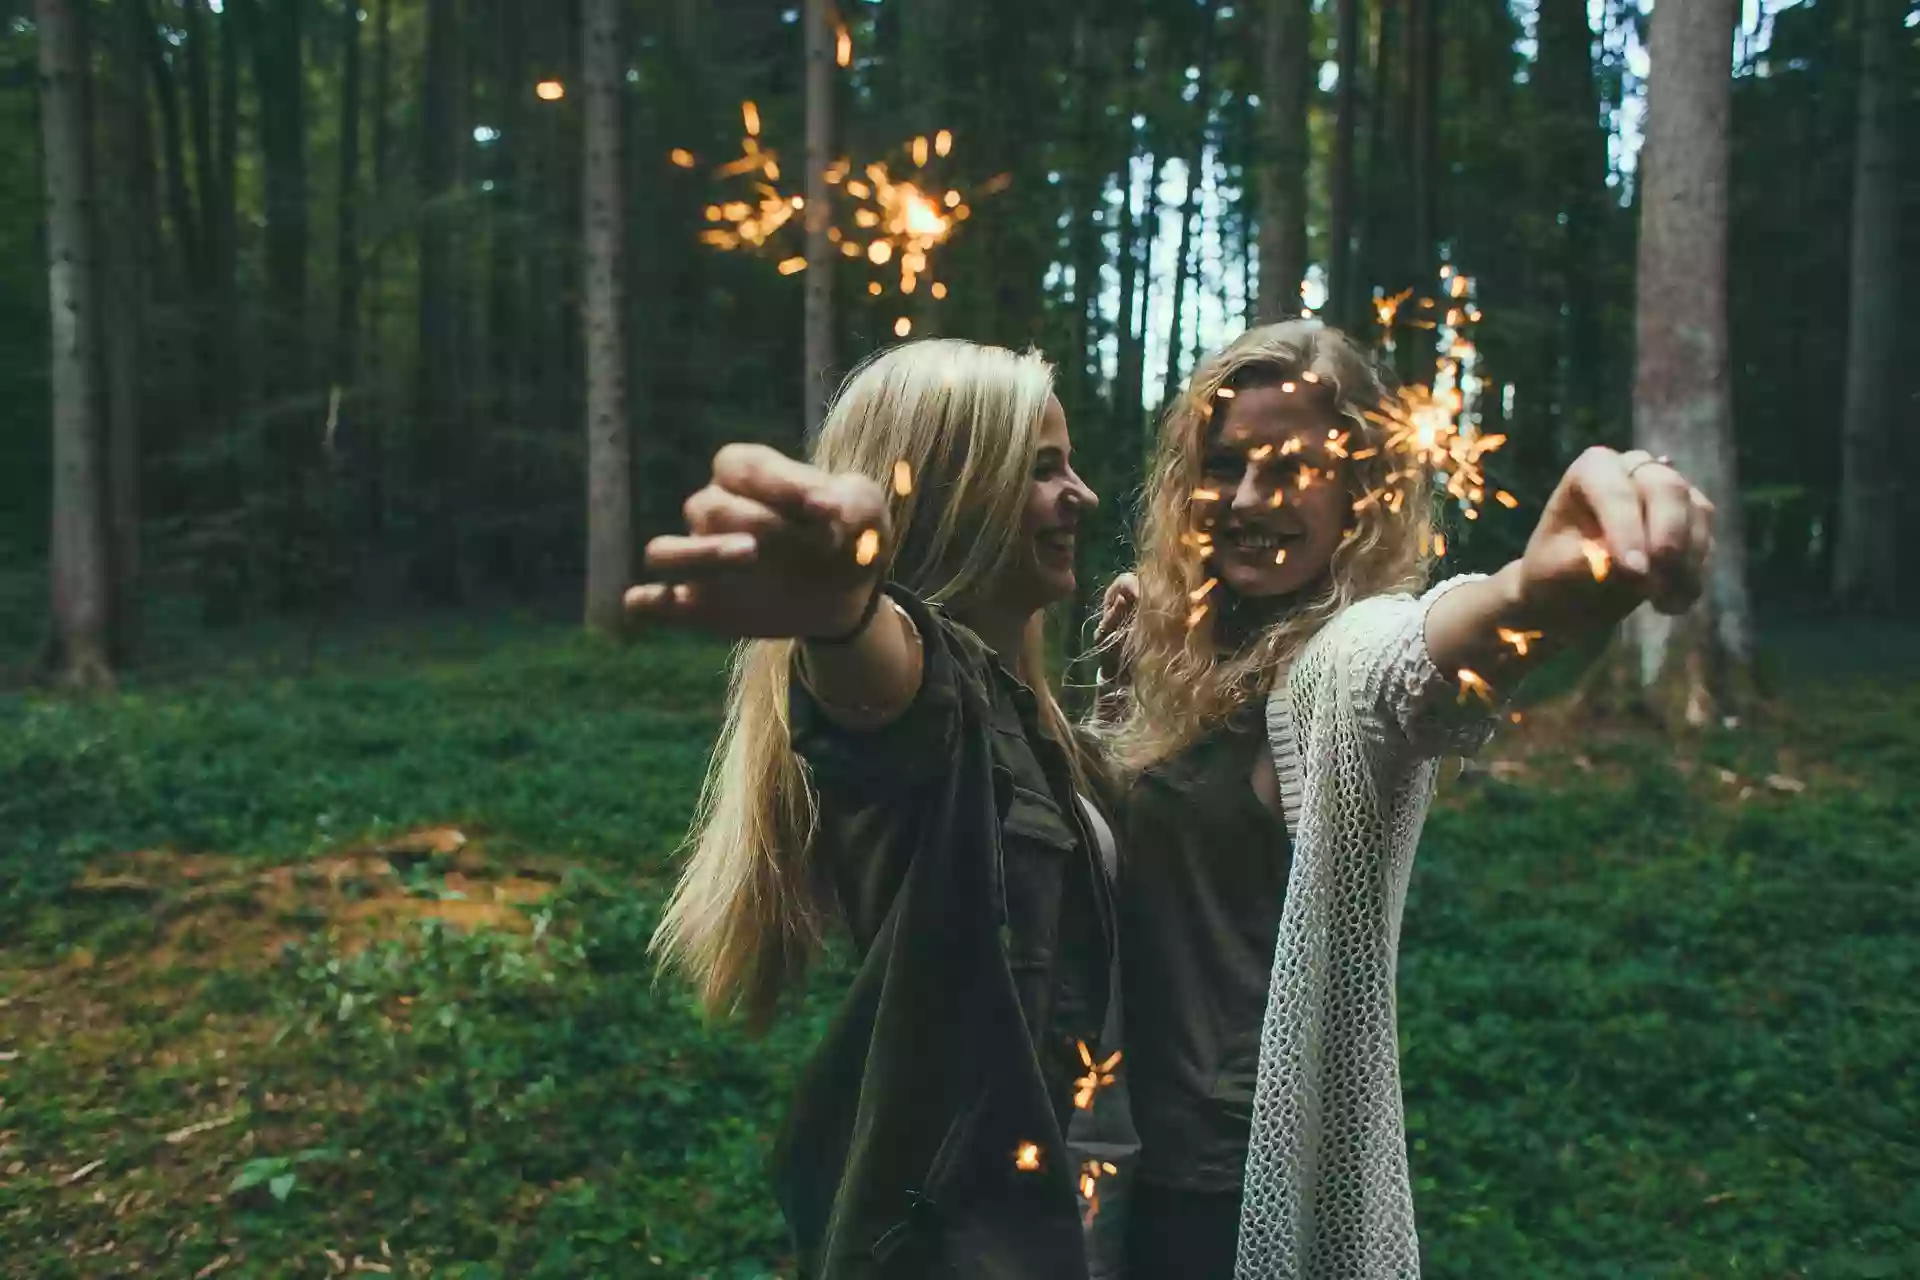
(1649, 1027)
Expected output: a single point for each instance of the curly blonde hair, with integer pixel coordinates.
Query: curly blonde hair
(1186, 677)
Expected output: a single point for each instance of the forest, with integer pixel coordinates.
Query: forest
(351, 352)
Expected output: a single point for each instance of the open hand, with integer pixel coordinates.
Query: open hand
(774, 547)
(1620, 528)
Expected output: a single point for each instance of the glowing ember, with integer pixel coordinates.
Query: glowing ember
(1471, 683)
(1518, 639)
(1090, 1173)
(1099, 1075)
(943, 143)
(750, 116)
(1288, 387)
(549, 91)
(843, 47)
(1440, 544)
(682, 157)
(1026, 1157)
(1200, 593)
(939, 289)
(902, 327)
(1505, 499)
(1206, 495)
(1225, 393)
(1193, 619)
(902, 478)
(866, 548)
(1280, 557)
(1598, 558)
(791, 266)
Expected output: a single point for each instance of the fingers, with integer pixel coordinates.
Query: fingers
(1602, 483)
(1666, 504)
(774, 480)
(664, 602)
(701, 554)
(714, 510)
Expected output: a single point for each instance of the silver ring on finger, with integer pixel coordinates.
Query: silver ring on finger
(1650, 461)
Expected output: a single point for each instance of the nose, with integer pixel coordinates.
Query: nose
(1249, 496)
(1080, 493)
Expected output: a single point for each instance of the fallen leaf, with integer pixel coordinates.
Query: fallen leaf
(217, 1264)
(1728, 776)
(339, 1263)
(1781, 782)
(80, 1173)
(180, 1135)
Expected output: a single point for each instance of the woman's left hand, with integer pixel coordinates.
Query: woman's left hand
(1621, 528)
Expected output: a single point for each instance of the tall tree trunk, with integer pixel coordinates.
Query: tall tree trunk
(1190, 204)
(434, 455)
(278, 67)
(1285, 75)
(347, 202)
(1377, 259)
(1340, 290)
(1690, 668)
(79, 572)
(201, 125)
(609, 442)
(382, 86)
(1423, 65)
(1136, 242)
(1573, 156)
(187, 235)
(122, 310)
(819, 214)
(1865, 560)
(1133, 361)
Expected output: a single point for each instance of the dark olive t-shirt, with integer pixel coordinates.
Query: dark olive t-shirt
(1202, 882)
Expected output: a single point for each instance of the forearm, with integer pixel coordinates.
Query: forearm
(868, 681)
(1488, 628)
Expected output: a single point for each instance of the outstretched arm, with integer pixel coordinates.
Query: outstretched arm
(1619, 529)
(778, 548)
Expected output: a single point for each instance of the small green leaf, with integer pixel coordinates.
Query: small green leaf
(282, 1186)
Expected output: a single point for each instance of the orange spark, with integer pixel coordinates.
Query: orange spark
(902, 327)
(843, 47)
(682, 157)
(879, 252)
(875, 288)
(1518, 639)
(1260, 454)
(1193, 619)
(1206, 495)
(942, 144)
(1026, 1157)
(1200, 593)
(1470, 682)
(1440, 544)
(1288, 387)
(902, 478)
(1599, 559)
(1505, 499)
(1281, 556)
(939, 290)
(792, 266)
(866, 548)
(750, 114)
(920, 152)
(549, 91)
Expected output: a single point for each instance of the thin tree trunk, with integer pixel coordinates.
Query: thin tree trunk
(201, 126)
(1286, 73)
(1423, 66)
(1378, 252)
(1340, 300)
(186, 227)
(609, 443)
(1189, 205)
(278, 75)
(434, 452)
(346, 218)
(1691, 667)
(820, 254)
(1865, 563)
(1134, 370)
(382, 86)
(123, 300)
(79, 572)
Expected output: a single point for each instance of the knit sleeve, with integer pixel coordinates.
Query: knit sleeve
(1401, 701)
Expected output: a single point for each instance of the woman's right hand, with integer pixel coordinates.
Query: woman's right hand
(774, 548)
(1116, 615)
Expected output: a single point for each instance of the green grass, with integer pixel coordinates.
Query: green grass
(1655, 1024)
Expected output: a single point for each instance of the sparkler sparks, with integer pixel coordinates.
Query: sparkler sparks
(1090, 1172)
(902, 478)
(866, 548)
(550, 91)
(1099, 1075)
(1520, 640)
(1026, 1157)
(1599, 559)
(895, 222)
(1471, 683)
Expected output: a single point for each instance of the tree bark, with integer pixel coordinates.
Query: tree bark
(1378, 253)
(123, 301)
(609, 442)
(188, 238)
(1693, 667)
(1339, 306)
(201, 126)
(434, 455)
(279, 76)
(1865, 566)
(1189, 205)
(820, 254)
(347, 202)
(79, 574)
(1286, 72)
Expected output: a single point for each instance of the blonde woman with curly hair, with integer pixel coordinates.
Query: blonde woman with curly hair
(1288, 685)
(895, 768)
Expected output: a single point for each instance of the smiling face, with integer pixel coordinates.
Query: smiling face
(1041, 572)
(1279, 504)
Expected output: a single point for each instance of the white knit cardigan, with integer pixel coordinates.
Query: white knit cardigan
(1357, 727)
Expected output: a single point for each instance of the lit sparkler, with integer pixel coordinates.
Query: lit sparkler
(1026, 1157)
(866, 548)
(1471, 683)
(1520, 640)
(902, 478)
(1599, 559)
(1090, 1173)
(1099, 1075)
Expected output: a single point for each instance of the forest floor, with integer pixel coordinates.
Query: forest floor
(333, 962)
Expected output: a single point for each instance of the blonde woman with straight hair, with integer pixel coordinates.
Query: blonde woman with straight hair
(894, 766)
(1288, 687)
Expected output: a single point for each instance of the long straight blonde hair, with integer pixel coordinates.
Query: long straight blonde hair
(748, 912)
(1185, 680)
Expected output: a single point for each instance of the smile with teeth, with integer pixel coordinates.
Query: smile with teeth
(1259, 540)
(1056, 540)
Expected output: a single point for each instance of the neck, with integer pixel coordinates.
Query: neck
(1004, 632)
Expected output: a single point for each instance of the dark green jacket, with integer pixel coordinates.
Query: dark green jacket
(964, 873)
